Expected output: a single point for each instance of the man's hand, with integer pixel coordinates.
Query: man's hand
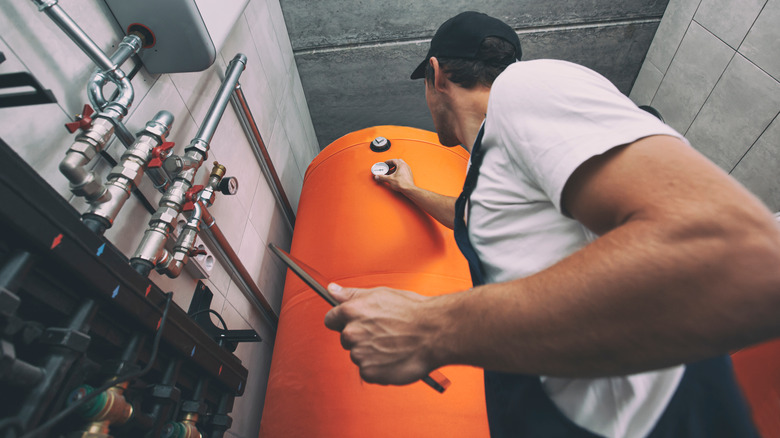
(401, 180)
(440, 207)
(386, 332)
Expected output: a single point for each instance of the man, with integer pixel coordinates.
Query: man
(611, 252)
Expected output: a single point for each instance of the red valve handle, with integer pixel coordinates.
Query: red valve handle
(159, 152)
(194, 252)
(83, 121)
(189, 205)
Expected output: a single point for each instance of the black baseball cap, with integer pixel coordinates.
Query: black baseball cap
(461, 36)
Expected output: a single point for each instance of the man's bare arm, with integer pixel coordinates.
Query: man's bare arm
(440, 207)
(687, 266)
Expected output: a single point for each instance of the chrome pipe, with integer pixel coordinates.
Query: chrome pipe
(75, 33)
(209, 125)
(171, 264)
(95, 90)
(118, 106)
(127, 174)
(252, 132)
(151, 250)
(213, 237)
(87, 144)
(129, 46)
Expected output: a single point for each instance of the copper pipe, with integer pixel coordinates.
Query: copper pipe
(261, 153)
(212, 234)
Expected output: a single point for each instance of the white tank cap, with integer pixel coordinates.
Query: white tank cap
(380, 168)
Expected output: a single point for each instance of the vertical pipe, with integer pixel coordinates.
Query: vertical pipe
(14, 270)
(127, 174)
(75, 33)
(166, 397)
(129, 46)
(209, 125)
(151, 250)
(261, 153)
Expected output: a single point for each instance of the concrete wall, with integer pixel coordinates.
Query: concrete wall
(355, 57)
(713, 72)
(251, 219)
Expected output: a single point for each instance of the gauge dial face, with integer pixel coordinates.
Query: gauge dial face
(380, 168)
(229, 186)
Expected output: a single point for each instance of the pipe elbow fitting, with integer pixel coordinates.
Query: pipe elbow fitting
(171, 264)
(91, 189)
(95, 90)
(126, 92)
(72, 167)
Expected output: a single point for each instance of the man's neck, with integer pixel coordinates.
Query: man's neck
(473, 109)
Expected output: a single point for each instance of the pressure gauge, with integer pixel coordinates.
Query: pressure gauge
(380, 168)
(228, 185)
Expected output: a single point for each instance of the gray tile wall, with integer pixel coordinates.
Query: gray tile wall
(713, 72)
(251, 219)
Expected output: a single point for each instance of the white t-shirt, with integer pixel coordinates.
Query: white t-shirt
(545, 118)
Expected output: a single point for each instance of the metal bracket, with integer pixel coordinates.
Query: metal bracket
(39, 95)
(199, 310)
(72, 339)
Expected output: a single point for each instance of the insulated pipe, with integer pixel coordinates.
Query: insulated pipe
(127, 174)
(152, 247)
(261, 153)
(214, 237)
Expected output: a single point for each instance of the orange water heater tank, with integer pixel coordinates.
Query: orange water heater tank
(359, 233)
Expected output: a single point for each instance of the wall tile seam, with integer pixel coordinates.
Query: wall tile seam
(262, 173)
(294, 157)
(733, 55)
(184, 101)
(137, 103)
(722, 40)
(228, 303)
(679, 43)
(254, 44)
(759, 67)
(758, 138)
(277, 31)
(752, 24)
(658, 86)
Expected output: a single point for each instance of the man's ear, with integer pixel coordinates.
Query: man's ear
(440, 80)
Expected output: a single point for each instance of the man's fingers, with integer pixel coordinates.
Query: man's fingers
(341, 294)
(336, 319)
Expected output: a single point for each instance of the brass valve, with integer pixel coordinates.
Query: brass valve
(218, 170)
